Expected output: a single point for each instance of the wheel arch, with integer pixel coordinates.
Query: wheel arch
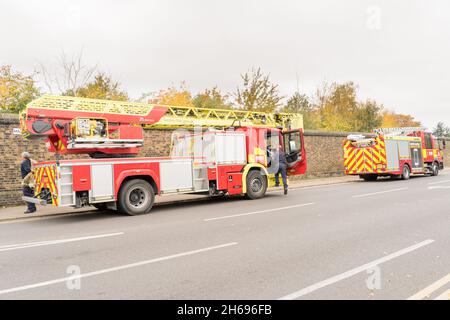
(146, 175)
(408, 165)
(250, 167)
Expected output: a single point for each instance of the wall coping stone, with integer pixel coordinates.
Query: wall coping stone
(9, 118)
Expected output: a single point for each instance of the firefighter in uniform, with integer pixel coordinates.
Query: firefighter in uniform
(278, 157)
(27, 180)
(282, 167)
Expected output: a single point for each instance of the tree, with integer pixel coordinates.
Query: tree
(300, 103)
(102, 87)
(212, 98)
(257, 92)
(441, 130)
(70, 74)
(393, 120)
(16, 90)
(368, 116)
(173, 96)
(338, 107)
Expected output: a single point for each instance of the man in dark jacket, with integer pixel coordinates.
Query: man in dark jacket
(282, 167)
(25, 170)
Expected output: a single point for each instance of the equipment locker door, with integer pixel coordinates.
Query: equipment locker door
(102, 182)
(294, 148)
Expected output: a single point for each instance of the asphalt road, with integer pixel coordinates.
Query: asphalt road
(362, 240)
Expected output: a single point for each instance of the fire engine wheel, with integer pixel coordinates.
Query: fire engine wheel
(256, 185)
(136, 197)
(434, 169)
(406, 173)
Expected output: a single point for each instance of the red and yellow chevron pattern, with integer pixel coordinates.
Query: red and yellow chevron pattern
(365, 159)
(45, 178)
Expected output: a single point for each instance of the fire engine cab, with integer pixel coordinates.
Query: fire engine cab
(232, 160)
(395, 152)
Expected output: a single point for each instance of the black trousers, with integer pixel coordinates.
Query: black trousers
(281, 169)
(28, 192)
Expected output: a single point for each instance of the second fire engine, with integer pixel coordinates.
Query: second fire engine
(395, 152)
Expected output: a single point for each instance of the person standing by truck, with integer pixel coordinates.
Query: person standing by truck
(282, 167)
(27, 180)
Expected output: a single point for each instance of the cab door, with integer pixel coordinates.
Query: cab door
(294, 148)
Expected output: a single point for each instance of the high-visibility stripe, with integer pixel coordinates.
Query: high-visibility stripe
(46, 178)
(350, 160)
(375, 155)
(354, 164)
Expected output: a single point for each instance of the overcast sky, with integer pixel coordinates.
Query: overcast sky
(398, 52)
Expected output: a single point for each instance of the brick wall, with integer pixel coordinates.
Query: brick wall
(324, 153)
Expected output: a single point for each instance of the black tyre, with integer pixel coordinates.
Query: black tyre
(406, 173)
(434, 169)
(369, 177)
(136, 197)
(256, 185)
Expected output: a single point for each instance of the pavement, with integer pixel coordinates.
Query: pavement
(387, 239)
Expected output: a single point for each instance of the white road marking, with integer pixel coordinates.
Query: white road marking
(118, 268)
(354, 271)
(379, 192)
(262, 211)
(438, 182)
(52, 242)
(438, 187)
(424, 293)
(444, 296)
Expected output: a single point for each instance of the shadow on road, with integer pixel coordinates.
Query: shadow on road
(389, 179)
(161, 208)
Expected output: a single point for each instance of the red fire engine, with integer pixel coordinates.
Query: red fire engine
(395, 152)
(232, 160)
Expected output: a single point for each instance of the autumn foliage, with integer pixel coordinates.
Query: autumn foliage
(333, 107)
(16, 89)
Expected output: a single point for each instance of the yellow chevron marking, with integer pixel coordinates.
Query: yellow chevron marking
(353, 160)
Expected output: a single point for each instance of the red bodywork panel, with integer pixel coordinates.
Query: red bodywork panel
(81, 178)
(234, 185)
(130, 132)
(212, 173)
(222, 175)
